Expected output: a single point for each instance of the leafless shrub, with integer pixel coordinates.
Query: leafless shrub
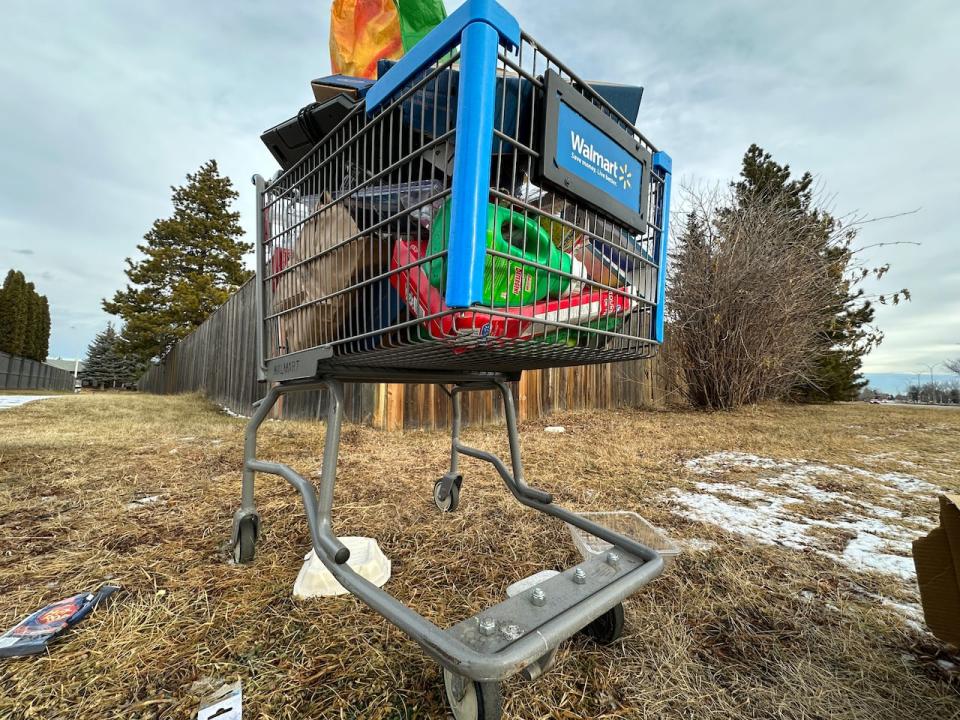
(748, 293)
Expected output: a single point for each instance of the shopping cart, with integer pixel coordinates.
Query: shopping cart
(481, 212)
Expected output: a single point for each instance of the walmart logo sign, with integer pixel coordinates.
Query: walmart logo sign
(585, 151)
(608, 168)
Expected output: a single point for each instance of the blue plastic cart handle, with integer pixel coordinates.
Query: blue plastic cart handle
(663, 163)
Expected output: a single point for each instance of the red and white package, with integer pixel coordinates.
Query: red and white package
(526, 321)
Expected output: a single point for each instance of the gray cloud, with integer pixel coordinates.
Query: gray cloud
(106, 108)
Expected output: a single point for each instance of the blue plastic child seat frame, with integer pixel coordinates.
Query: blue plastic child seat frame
(480, 27)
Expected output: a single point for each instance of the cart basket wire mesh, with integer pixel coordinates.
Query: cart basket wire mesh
(483, 208)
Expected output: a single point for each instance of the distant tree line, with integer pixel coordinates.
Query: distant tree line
(24, 318)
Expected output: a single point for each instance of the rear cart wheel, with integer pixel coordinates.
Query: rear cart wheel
(471, 700)
(245, 548)
(608, 628)
(450, 503)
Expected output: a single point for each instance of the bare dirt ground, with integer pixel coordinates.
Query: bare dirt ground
(794, 596)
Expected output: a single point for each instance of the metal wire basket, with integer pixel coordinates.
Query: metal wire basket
(425, 233)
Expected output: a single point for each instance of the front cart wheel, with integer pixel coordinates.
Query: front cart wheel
(244, 550)
(452, 500)
(607, 628)
(470, 700)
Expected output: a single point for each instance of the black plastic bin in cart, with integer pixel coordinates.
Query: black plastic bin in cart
(481, 213)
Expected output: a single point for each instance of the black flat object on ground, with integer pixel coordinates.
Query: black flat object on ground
(32, 634)
(291, 140)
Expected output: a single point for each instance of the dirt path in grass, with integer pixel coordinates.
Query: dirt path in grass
(794, 596)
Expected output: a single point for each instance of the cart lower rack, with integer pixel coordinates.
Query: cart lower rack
(480, 212)
(522, 633)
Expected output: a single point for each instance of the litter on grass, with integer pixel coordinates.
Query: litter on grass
(224, 703)
(32, 634)
(366, 558)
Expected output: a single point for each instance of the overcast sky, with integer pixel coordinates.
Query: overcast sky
(104, 105)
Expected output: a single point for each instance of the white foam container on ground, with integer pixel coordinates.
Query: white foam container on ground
(626, 523)
(366, 559)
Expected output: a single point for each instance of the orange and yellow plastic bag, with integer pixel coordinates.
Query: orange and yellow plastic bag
(362, 32)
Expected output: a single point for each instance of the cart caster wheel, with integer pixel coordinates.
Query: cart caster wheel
(244, 550)
(470, 700)
(607, 628)
(453, 498)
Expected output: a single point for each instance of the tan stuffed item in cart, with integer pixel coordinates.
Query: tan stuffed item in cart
(345, 254)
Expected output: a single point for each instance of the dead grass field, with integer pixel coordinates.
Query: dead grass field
(819, 621)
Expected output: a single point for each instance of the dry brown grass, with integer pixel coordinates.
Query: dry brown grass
(741, 631)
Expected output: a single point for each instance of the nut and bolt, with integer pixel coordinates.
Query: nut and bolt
(613, 559)
(488, 626)
(538, 597)
(579, 576)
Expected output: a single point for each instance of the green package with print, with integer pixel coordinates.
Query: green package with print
(507, 282)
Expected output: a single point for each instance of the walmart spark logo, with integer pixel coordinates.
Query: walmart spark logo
(625, 176)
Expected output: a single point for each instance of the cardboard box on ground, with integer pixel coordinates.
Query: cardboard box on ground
(937, 558)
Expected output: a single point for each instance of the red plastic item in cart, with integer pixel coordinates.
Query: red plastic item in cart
(426, 301)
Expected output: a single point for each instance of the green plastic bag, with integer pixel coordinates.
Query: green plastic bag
(417, 18)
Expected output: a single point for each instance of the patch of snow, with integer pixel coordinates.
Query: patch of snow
(555, 429)
(11, 401)
(144, 501)
(698, 544)
(231, 413)
(771, 510)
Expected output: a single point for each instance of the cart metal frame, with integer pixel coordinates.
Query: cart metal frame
(521, 633)
(525, 627)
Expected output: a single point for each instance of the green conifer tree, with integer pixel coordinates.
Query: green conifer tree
(192, 262)
(107, 364)
(13, 313)
(845, 335)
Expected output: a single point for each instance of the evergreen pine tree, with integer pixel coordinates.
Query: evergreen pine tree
(107, 364)
(31, 335)
(845, 336)
(44, 346)
(13, 313)
(192, 262)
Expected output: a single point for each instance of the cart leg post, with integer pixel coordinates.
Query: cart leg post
(246, 521)
(455, 433)
(446, 490)
(328, 473)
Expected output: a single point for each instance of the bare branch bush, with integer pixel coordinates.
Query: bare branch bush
(748, 293)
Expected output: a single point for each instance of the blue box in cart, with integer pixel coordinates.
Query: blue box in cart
(427, 110)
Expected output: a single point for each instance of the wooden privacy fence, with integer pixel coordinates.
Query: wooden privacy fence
(219, 359)
(20, 373)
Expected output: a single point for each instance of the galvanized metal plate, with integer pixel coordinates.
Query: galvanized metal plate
(519, 615)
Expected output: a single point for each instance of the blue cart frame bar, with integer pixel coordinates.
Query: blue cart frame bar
(663, 163)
